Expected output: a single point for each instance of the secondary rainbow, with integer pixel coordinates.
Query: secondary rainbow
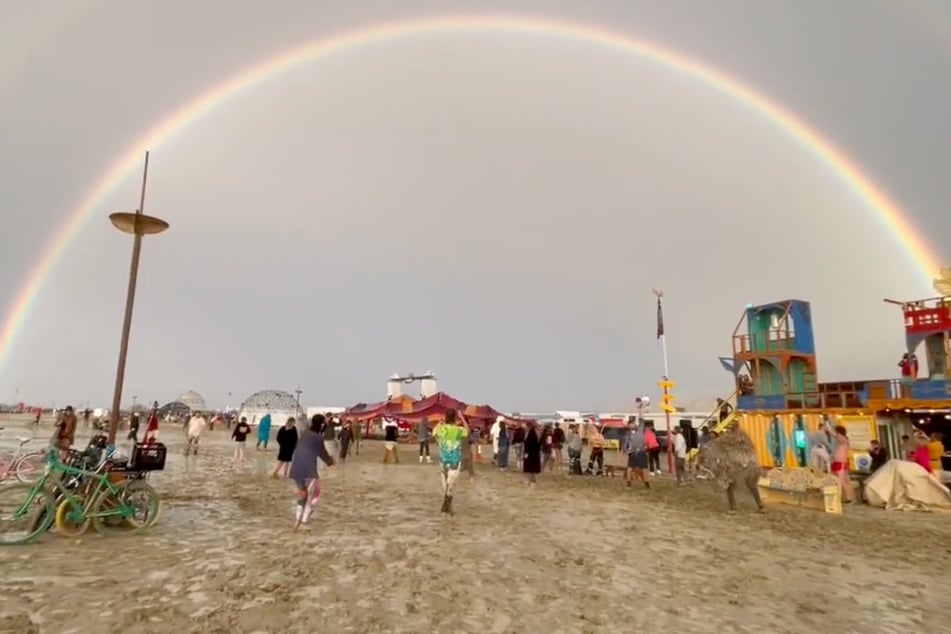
(890, 215)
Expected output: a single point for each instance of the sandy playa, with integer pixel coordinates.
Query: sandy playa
(573, 555)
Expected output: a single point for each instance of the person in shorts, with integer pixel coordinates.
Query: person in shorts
(309, 448)
(635, 445)
(452, 438)
(391, 438)
(240, 437)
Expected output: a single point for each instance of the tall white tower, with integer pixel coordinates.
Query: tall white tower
(429, 385)
(394, 387)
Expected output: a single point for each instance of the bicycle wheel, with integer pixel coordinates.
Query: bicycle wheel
(29, 467)
(25, 513)
(145, 502)
(140, 501)
(71, 519)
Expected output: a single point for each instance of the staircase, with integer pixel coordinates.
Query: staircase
(717, 425)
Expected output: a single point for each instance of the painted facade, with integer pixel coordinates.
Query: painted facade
(780, 402)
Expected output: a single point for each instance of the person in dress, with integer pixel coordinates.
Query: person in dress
(151, 429)
(452, 437)
(494, 436)
(346, 437)
(286, 443)
(196, 425)
(502, 447)
(532, 458)
(303, 471)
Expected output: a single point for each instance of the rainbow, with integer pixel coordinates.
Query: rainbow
(890, 215)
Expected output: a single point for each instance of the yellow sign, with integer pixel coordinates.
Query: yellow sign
(667, 404)
(666, 385)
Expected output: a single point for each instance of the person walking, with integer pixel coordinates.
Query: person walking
(286, 443)
(356, 427)
(346, 436)
(680, 456)
(196, 425)
(422, 435)
(310, 447)
(636, 448)
(532, 459)
(518, 444)
(452, 437)
(240, 437)
(391, 439)
(133, 428)
(502, 447)
(264, 432)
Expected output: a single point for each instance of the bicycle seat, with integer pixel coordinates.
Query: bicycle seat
(23, 441)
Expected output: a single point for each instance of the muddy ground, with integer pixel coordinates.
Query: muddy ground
(571, 555)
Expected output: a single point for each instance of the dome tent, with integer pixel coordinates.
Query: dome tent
(279, 404)
(193, 400)
(175, 409)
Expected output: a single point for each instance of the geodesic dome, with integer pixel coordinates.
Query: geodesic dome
(279, 404)
(175, 408)
(193, 400)
(273, 399)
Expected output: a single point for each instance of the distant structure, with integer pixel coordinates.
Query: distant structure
(428, 385)
(175, 409)
(193, 400)
(279, 404)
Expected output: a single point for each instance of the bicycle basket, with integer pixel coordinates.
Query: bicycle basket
(148, 457)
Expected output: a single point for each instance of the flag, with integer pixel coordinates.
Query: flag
(660, 318)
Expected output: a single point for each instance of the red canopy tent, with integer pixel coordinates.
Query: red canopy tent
(408, 411)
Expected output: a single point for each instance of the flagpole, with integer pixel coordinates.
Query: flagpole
(662, 335)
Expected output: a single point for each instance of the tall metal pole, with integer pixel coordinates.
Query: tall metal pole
(663, 345)
(127, 318)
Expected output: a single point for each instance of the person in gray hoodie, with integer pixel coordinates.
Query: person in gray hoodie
(635, 446)
(310, 447)
(422, 434)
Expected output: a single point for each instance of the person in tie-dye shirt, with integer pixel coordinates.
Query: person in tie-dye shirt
(451, 437)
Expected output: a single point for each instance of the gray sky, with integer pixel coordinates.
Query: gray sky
(493, 207)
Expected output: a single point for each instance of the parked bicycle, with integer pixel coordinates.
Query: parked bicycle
(76, 498)
(24, 466)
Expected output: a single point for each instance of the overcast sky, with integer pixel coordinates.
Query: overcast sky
(492, 207)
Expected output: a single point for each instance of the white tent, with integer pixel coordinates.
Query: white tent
(906, 486)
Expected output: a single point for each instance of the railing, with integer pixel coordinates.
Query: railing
(742, 344)
(718, 426)
(825, 400)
